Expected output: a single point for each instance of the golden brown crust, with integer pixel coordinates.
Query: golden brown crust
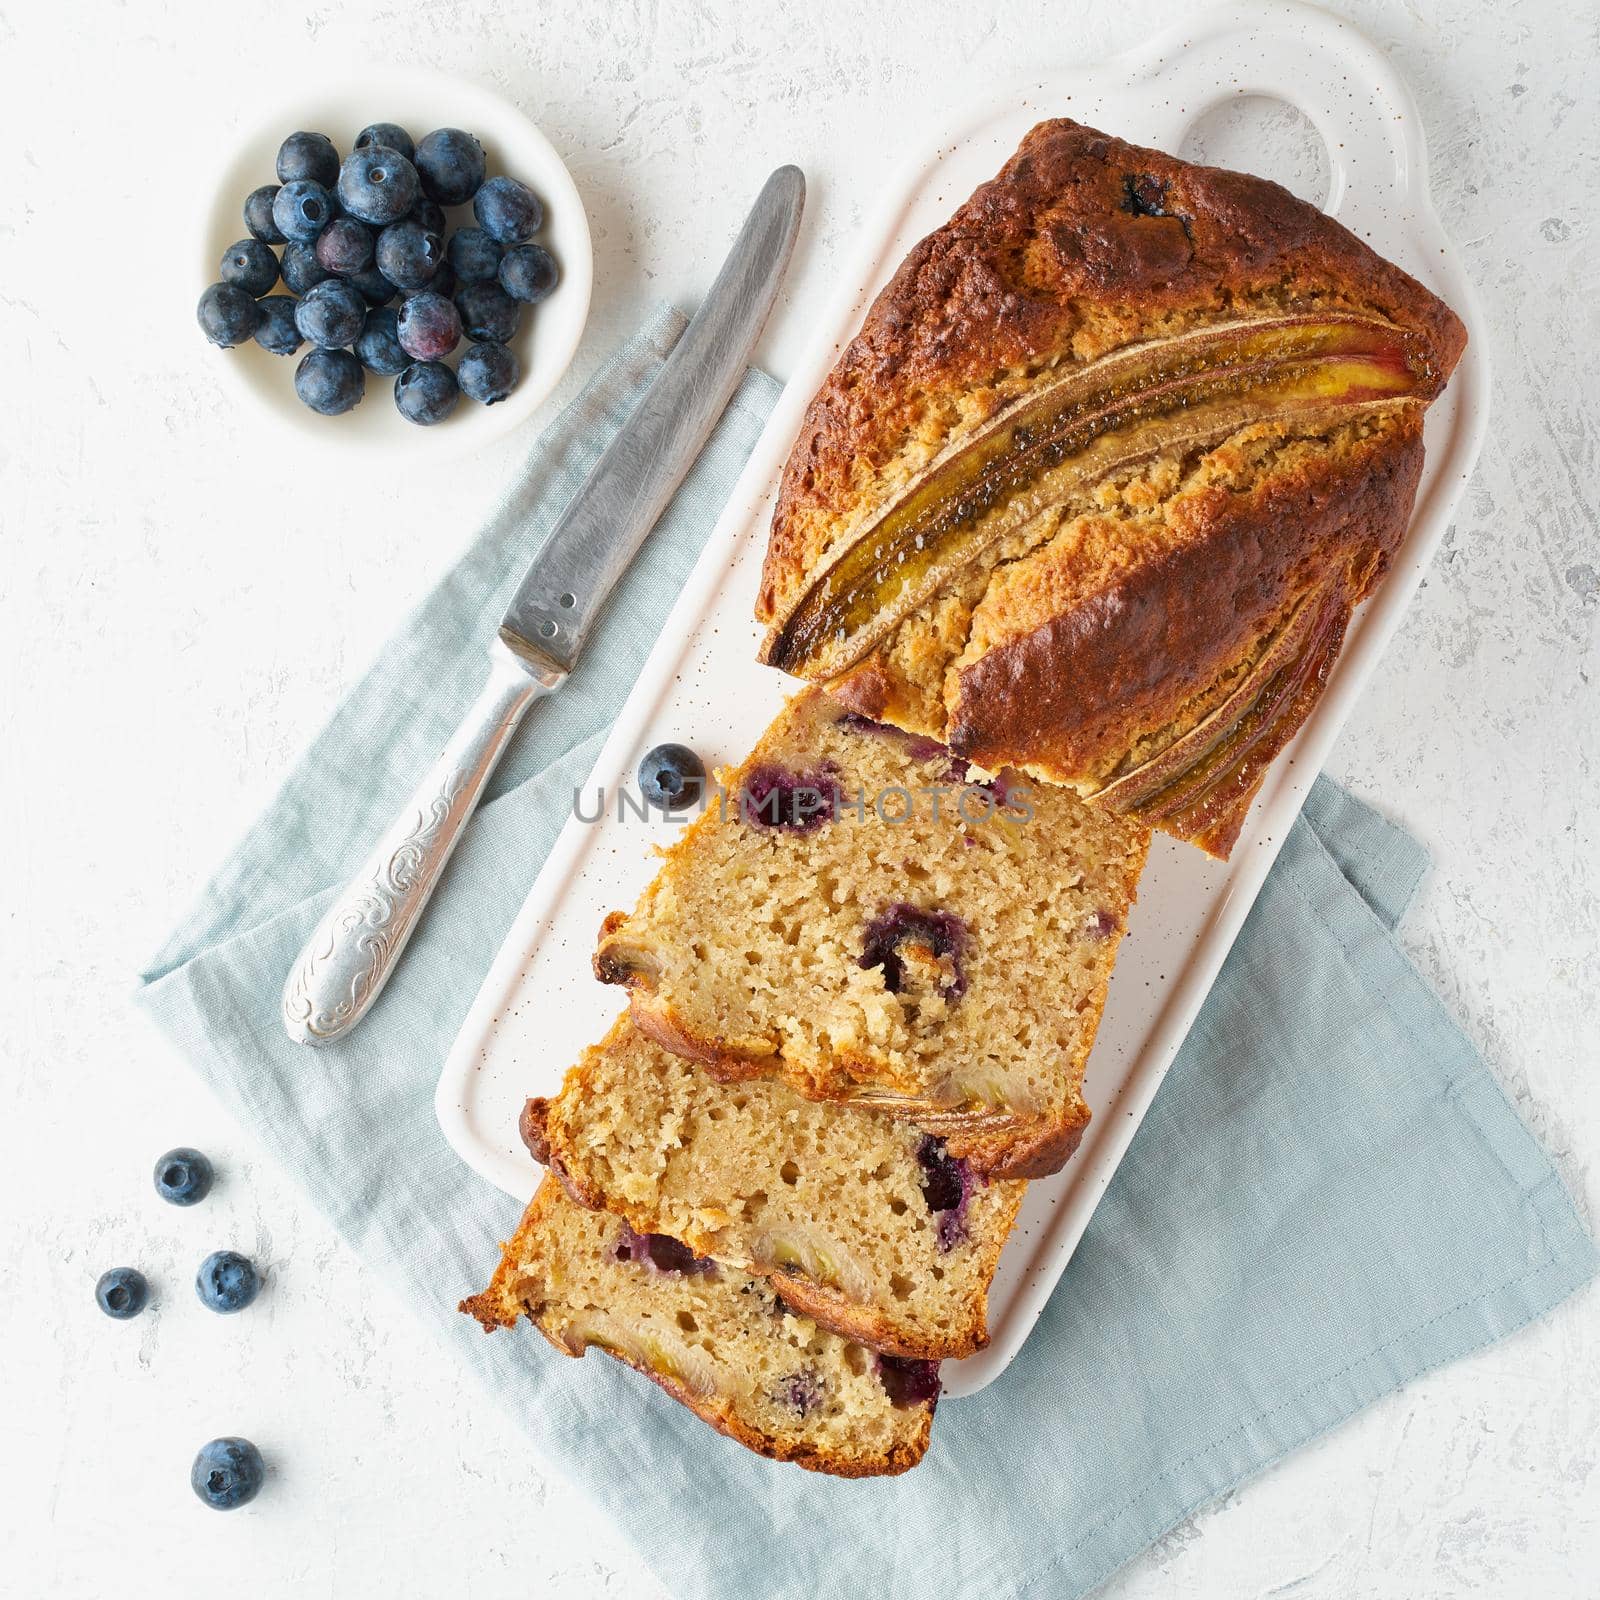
(1081, 243)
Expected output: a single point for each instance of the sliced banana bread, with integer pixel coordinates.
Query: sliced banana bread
(864, 1222)
(718, 1341)
(855, 916)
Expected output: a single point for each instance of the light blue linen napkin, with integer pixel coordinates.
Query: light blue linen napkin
(1330, 1195)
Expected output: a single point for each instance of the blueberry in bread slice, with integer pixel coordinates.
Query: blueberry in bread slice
(856, 915)
(717, 1340)
(1096, 487)
(865, 1223)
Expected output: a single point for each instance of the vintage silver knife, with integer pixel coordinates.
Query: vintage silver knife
(350, 956)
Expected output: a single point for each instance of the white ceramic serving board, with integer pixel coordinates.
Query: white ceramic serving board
(539, 1005)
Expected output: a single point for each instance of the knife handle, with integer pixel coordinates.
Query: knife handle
(349, 957)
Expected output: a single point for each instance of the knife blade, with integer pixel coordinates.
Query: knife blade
(350, 955)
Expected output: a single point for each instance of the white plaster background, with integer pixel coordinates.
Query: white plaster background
(180, 614)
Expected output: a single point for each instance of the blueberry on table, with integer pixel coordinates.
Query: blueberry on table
(388, 134)
(451, 164)
(378, 347)
(408, 254)
(474, 255)
(300, 267)
(121, 1292)
(430, 214)
(344, 246)
(378, 185)
(429, 326)
(487, 373)
(529, 273)
(302, 209)
(372, 286)
(249, 265)
(227, 1473)
(331, 314)
(277, 334)
(330, 381)
(226, 1281)
(228, 315)
(183, 1176)
(671, 776)
(308, 155)
(508, 210)
(426, 392)
(258, 214)
(488, 313)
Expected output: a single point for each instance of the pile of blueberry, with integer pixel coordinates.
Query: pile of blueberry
(227, 1472)
(358, 234)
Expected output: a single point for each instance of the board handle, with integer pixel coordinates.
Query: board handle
(1315, 62)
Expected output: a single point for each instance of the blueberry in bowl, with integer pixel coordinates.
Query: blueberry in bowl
(344, 246)
(258, 214)
(227, 1473)
(330, 382)
(408, 255)
(451, 164)
(308, 155)
(277, 334)
(302, 209)
(122, 1293)
(429, 326)
(474, 255)
(226, 1282)
(508, 210)
(487, 373)
(431, 215)
(378, 185)
(250, 265)
(300, 267)
(529, 273)
(426, 393)
(488, 313)
(388, 134)
(372, 286)
(228, 315)
(671, 776)
(184, 1177)
(331, 314)
(377, 346)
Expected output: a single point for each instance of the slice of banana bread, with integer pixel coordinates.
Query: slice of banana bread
(718, 1341)
(854, 915)
(864, 1222)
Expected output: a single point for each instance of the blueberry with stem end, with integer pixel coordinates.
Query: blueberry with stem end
(474, 255)
(487, 373)
(227, 315)
(330, 381)
(408, 255)
(426, 392)
(671, 776)
(226, 1282)
(529, 273)
(227, 1473)
(308, 155)
(277, 334)
(331, 314)
(121, 1293)
(488, 314)
(378, 185)
(378, 347)
(302, 209)
(390, 135)
(183, 1176)
(301, 270)
(249, 265)
(258, 214)
(429, 326)
(507, 210)
(344, 246)
(451, 164)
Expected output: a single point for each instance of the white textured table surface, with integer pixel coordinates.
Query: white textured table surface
(181, 611)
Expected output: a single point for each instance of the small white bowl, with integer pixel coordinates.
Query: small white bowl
(418, 101)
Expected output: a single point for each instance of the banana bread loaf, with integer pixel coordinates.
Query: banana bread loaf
(865, 1223)
(718, 1341)
(854, 916)
(1096, 487)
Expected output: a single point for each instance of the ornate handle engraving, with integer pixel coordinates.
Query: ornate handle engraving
(349, 956)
